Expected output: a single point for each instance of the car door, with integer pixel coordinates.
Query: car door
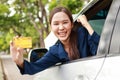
(110, 45)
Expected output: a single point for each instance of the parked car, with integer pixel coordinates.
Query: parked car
(104, 16)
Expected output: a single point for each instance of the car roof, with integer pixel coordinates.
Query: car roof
(85, 8)
(93, 7)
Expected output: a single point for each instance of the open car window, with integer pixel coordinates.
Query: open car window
(96, 14)
(98, 20)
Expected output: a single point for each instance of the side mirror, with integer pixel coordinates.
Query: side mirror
(36, 54)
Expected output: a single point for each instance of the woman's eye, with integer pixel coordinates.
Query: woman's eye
(55, 23)
(65, 22)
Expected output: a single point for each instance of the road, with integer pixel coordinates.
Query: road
(11, 71)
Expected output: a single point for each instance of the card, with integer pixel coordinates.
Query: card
(23, 42)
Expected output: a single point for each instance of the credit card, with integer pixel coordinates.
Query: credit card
(23, 42)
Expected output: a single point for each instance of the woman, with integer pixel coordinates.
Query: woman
(73, 44)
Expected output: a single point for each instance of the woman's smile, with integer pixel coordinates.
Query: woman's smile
(62, 33)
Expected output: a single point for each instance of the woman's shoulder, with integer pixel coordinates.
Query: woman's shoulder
(54, 48)
(81, 29)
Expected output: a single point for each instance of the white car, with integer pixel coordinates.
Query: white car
(104, 16)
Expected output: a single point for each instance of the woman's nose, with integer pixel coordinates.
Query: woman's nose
(61, 26)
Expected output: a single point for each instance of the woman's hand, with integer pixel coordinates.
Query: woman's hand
(83, 20)
(17, 54)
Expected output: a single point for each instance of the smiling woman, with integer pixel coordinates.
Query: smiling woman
(72, 43)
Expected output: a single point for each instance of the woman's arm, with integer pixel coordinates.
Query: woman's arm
(93, 37)
(26, 67)
(83, 20)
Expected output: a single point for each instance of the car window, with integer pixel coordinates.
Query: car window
(97, 21)
(97, 14)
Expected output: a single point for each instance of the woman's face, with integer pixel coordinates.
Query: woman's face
(61, 26)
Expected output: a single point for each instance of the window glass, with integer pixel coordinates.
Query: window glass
(97, 21)
(97, 25)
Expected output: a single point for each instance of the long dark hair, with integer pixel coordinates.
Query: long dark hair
(73, 50)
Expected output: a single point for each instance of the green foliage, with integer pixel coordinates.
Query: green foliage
(3, 9)
(20, 22)
(5, 40)
(73, 5)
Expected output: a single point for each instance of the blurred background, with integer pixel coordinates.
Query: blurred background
(30, 18)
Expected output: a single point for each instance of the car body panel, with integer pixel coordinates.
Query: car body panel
(110, 69)
(94, 69)
(115, 42)
(108, 28)
(78, 69)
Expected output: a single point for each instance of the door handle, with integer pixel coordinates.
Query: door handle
(81, 77)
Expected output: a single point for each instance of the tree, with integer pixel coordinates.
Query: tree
(73, 5)
(30, 19)
(34, 11)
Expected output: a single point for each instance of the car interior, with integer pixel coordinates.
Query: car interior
(97, 14)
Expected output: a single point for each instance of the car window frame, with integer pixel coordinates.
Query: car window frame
(99, 5)
(115, 43)
(107, 33)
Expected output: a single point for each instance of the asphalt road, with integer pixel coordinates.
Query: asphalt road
(11, 71)
(1, 71)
